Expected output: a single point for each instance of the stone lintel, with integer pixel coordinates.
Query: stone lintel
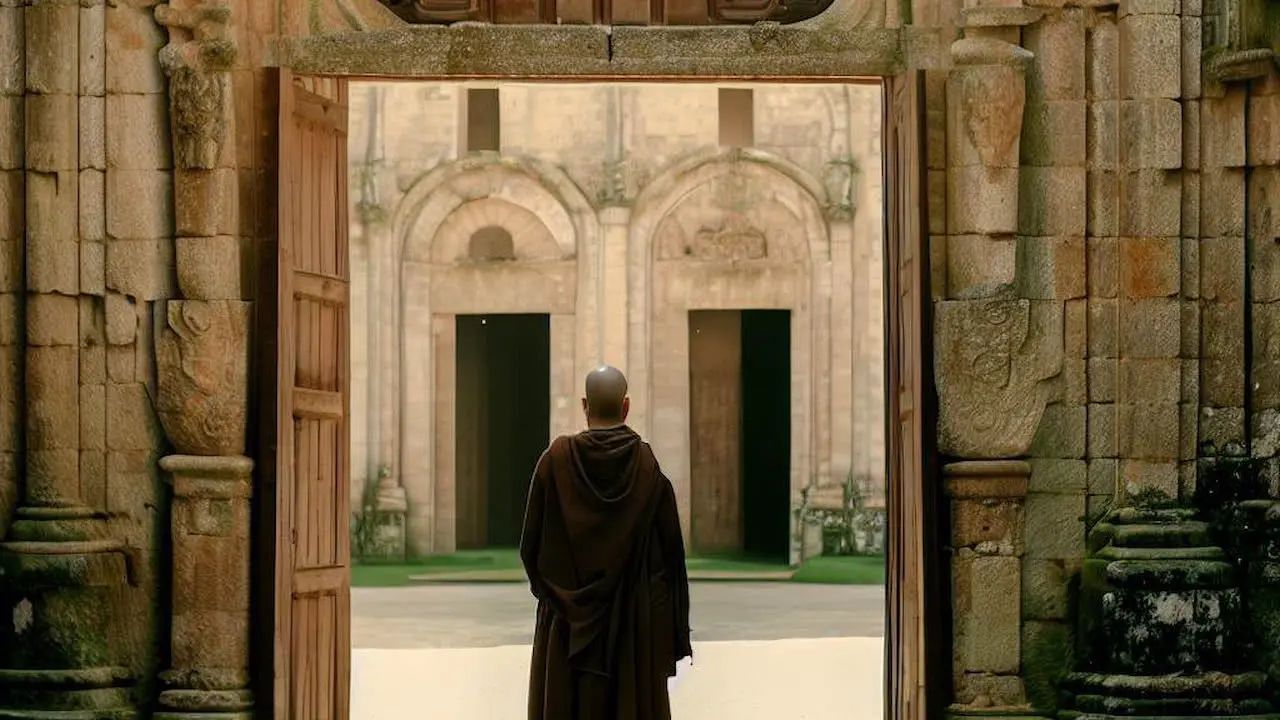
(987, 479)
(997, 16)
(516, 52)
(212, 476)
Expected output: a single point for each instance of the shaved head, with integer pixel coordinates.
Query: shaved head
(606, 400)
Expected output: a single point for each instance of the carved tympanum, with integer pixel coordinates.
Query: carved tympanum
(203, 362)
(989, 373)
(198, 60)
(732, 240)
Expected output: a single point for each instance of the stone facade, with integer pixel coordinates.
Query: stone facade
(609, 193)
(1102, 188)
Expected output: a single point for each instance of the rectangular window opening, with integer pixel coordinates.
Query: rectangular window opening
(737, 117)
(484, 120)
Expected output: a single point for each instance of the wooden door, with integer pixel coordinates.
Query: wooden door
(910, 546)
(313, 552)
(715, 431)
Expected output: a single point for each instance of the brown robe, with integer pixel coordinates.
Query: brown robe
(602, 547)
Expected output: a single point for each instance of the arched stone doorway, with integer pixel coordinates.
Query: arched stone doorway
(481, 236)
(702, 236)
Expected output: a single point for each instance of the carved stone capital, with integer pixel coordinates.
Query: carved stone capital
(202, 358)
(198, 60)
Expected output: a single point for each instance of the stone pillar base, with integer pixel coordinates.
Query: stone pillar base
(59, 578)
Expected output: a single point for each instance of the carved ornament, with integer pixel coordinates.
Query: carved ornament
(202, 358)
(731, 240)
(198, 60)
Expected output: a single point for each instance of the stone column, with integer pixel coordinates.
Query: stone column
(987, 526)
(202, 359)
(62, 575)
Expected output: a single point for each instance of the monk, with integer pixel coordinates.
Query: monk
(602, 547)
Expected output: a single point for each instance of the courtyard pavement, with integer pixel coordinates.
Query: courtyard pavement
(763, 651)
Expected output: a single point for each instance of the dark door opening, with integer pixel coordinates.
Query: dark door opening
(740, 432)
(503, 416)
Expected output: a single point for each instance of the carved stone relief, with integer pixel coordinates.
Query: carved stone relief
(989, 372)
(198, 60)
(733, 239)
(202, 358)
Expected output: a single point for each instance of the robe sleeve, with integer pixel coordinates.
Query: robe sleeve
(531, 531)
(672, 543)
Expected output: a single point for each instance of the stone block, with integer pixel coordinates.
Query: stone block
(1076, 329)
(938, 282)
(1047, 656)
(1188, 433)
(214, 268)
(53, 263)
(1104, 473)
(1058, 42)
(1150, 328)
(121, 319)
(93, 205)
(1222, 269)
(1189, 283)
(1264, 208)
(1147, 7)
(13, 77)
(1054, 133)
(93, 50)
(1190, 345)
(1152, 204)
(983, 200)
(122, 364)
(207, 202)
(93, 132)
(1052, 201)
(93, 268)
(1190, 383)
(1102, 380)
(1222, 331)
(12, 134)
(1058, 476)
(1104, 328)
(1266, 361)
(1149, 380)
(53, 141)
(1191, 112)
(52, 320)
(1055, 526)
(1137, 476)
(1103, 51)
(1103, 280)
(1147, 44)
(93, 478)
(93, 417)
(138, 136)
(1051, 268)
(11, 320)
(1102, 431)
(987, 622)
(53, 423)
(1150, 266)
(1221, 382)
(134, 40)
(139, 204)
(1151, 133)
(10, 266)
(937, 199)
(1061, 433)
(1221, 202)
(93, 364)
(1192, 41)
(141, 268)
(1072, 386)
(1264, 129)
(1046, 589)
(1103, 136)
(52, 67)
(1220, 426)
(1148, 431)
(1223, 130)
(1103, 217)
(131, 423)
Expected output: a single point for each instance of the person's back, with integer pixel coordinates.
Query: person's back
(601, 545)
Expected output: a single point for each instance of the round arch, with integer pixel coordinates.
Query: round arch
(785, 216)
(553, 229)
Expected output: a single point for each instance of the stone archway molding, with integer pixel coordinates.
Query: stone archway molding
(422, 387)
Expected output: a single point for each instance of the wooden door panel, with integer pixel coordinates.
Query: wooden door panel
(313, 597)
(908, 436)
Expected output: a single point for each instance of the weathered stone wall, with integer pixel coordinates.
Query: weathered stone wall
(12, 229)
(613, 144)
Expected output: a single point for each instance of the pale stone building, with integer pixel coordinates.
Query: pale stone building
(507, 239)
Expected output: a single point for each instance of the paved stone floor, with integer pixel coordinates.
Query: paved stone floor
(764, 651)
(468, 616)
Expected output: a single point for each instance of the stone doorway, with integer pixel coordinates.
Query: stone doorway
(503, 413)
(667, 280)
(740, 431)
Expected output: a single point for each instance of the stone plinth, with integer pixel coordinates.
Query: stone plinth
(987, 521)
(1160, 618)
(58, 583)
(210, 646)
